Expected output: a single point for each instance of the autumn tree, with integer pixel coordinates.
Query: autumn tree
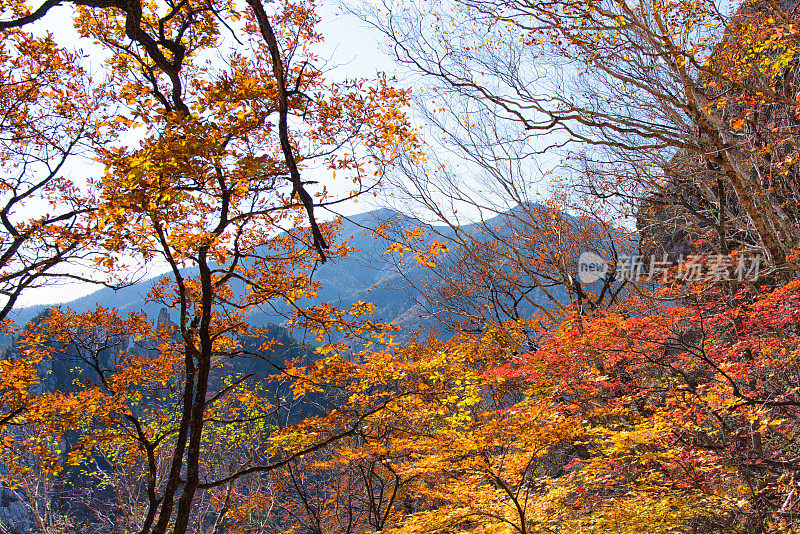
(639, 417)
(50, 119)
(677, 105)
(636, 418)
(208, 167)
(629, 90)
(609, 415)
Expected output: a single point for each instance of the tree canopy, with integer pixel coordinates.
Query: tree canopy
(208, 136)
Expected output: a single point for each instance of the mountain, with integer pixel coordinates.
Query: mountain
(365, 275)
(368, 274)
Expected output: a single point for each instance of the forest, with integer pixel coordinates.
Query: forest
(584, 303)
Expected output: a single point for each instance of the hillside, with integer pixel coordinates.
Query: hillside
(369, 275)
(365, 275)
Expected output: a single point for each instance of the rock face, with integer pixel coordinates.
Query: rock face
(755, 137)
(663, 228)
(14, 513)
(683, 216)
(164, 318)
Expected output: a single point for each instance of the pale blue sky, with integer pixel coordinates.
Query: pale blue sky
(352, 50)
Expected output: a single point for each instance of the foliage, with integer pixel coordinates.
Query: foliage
(624, 93)
(671, 410)
(206, 121)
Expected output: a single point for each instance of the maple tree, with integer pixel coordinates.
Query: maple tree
(639, 417)
(602, 412)
(215, 185)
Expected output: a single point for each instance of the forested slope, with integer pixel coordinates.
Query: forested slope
(614, 342)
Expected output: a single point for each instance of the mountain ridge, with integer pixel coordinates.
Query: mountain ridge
(343, 281)
(368, 274)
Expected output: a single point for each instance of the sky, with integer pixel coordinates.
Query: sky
(352, 49)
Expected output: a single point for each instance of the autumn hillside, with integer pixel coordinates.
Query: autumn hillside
(597, 329)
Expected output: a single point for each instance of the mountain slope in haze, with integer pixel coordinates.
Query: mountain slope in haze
(365, 275)
(368, 275)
